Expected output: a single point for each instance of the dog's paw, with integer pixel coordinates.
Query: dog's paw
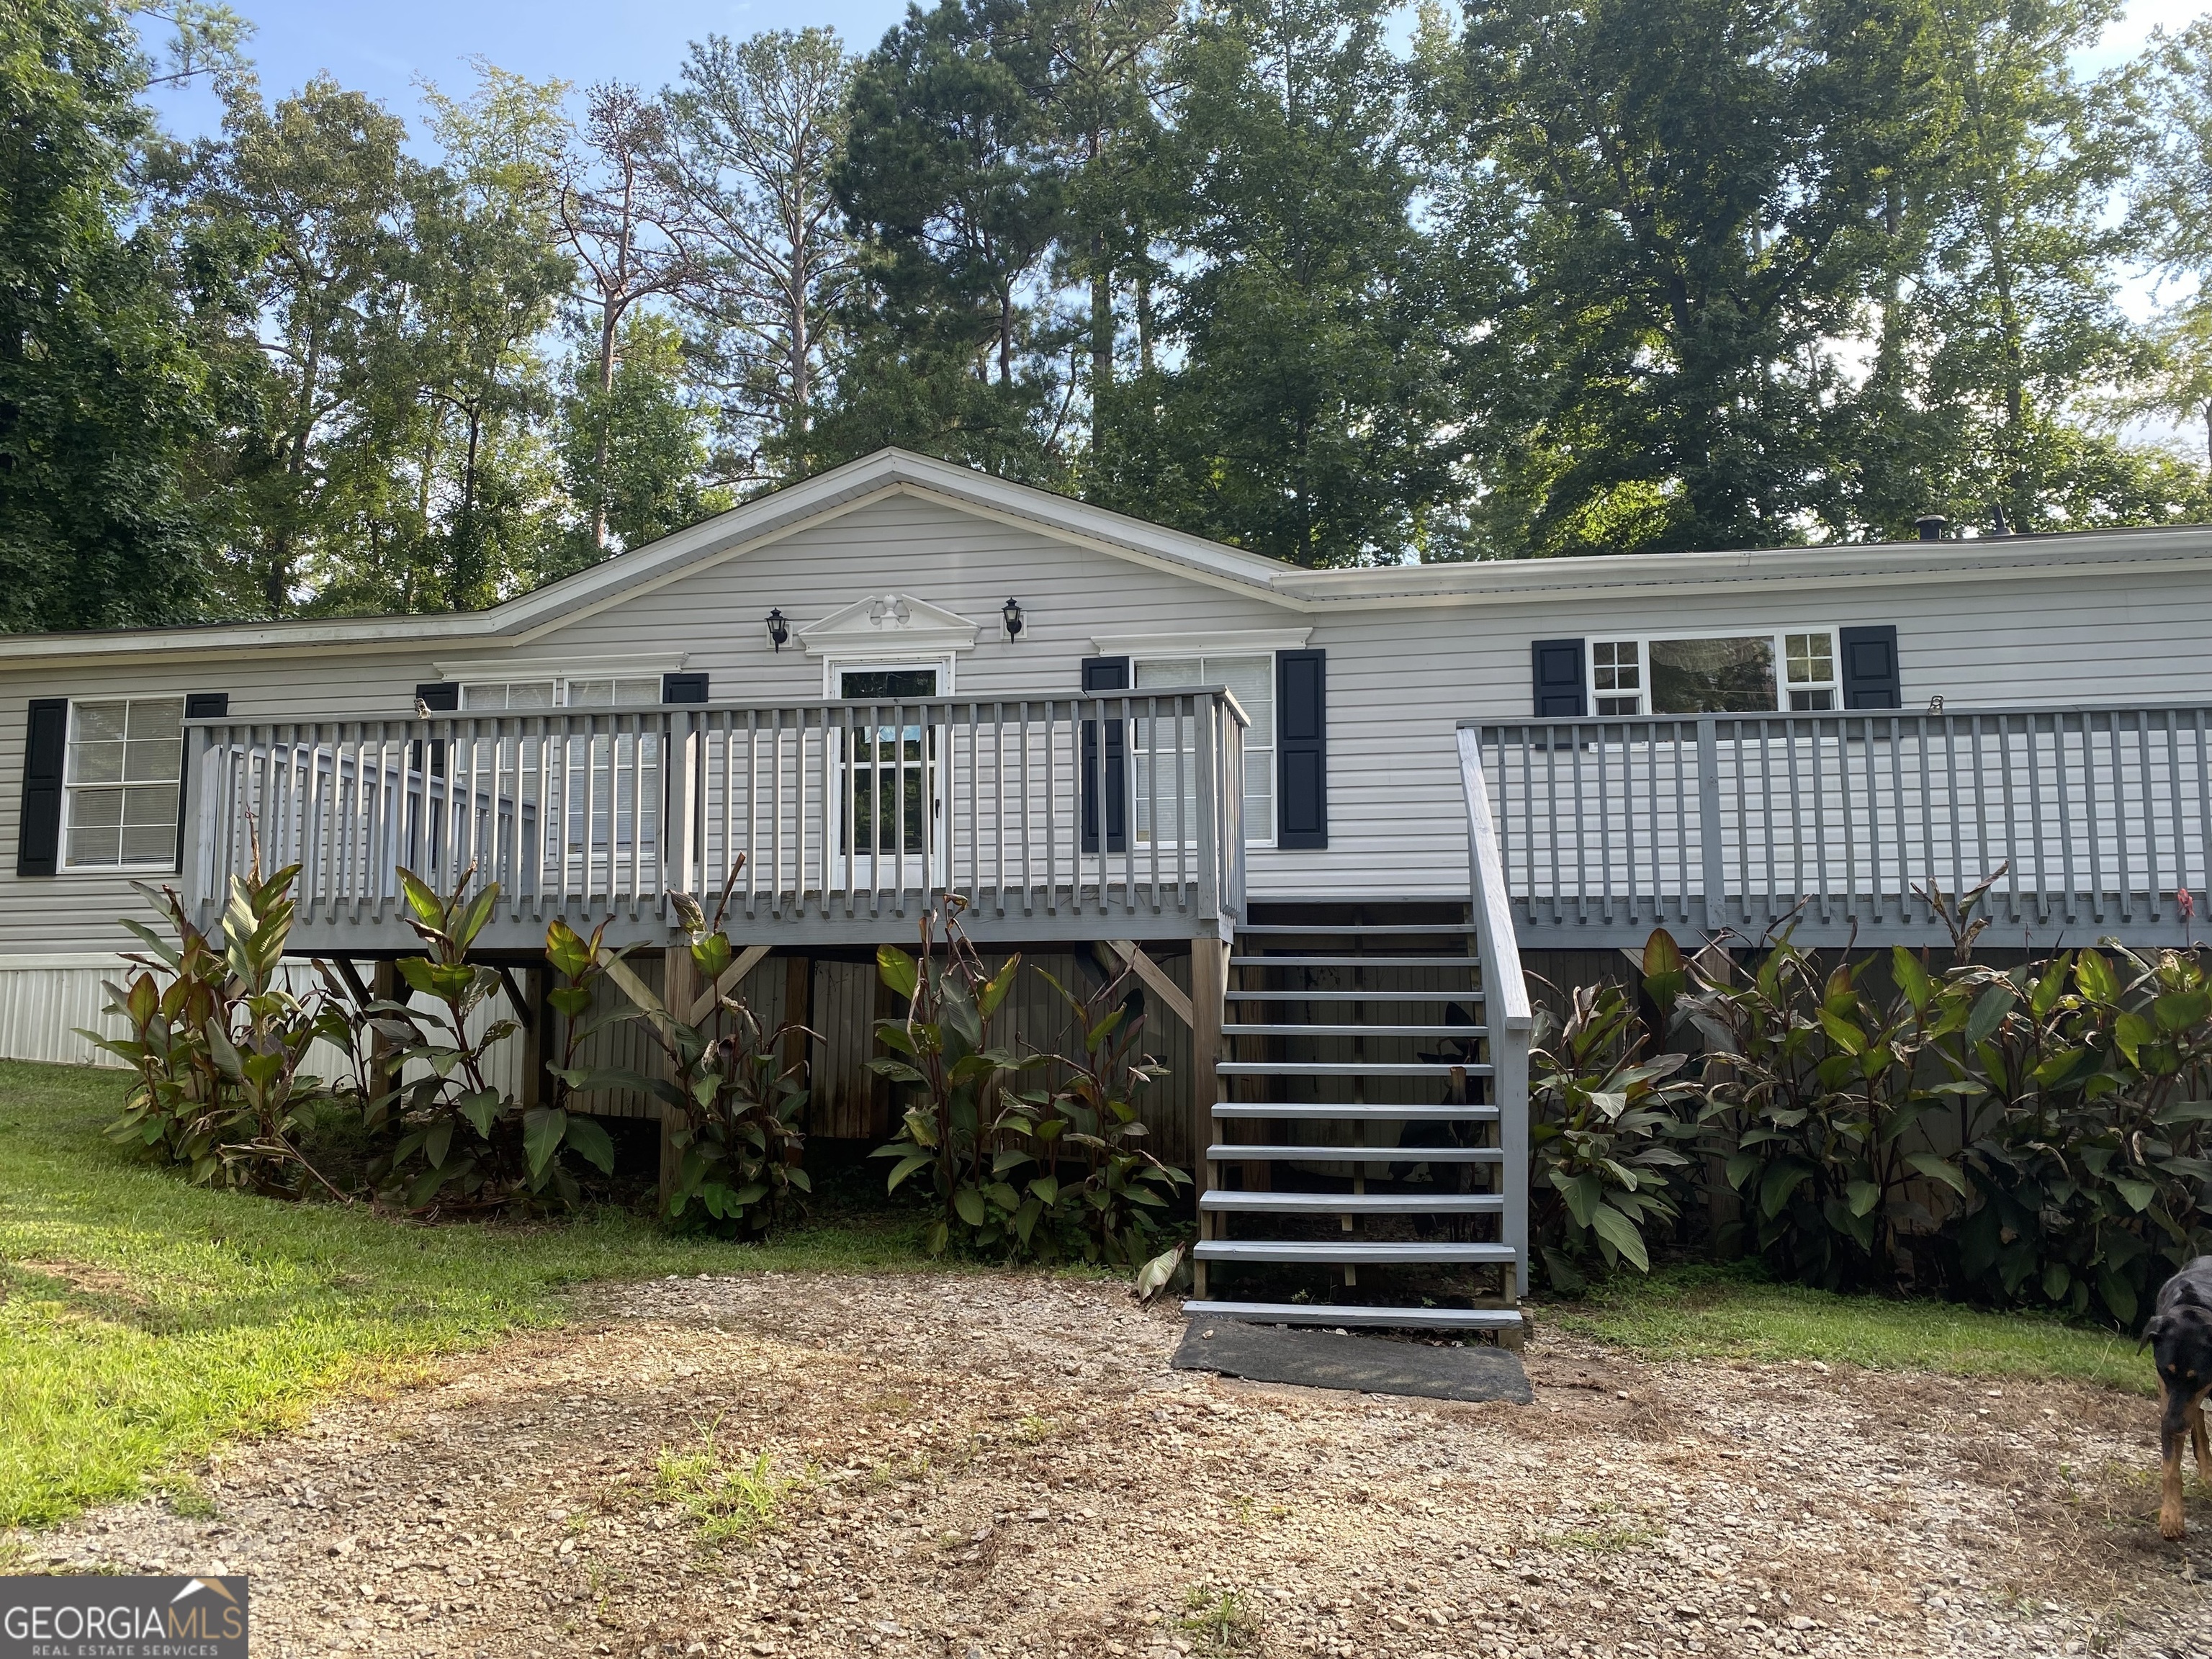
(2170, 1526)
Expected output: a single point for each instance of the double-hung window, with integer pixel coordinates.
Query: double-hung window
(1715, 674)
(500, 695)
(122, 783)
(1252, 680)
(605, 799)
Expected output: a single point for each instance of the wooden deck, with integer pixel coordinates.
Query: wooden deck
(1111, 817)
(2097, 823)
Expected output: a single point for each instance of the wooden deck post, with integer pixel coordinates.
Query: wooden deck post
(536, 1052)
(384, 985)
(1209, 991)
(679, 990)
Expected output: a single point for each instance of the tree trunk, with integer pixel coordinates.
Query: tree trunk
(1145, 320)
(465, 549)
(1102, 344)
(609, 319)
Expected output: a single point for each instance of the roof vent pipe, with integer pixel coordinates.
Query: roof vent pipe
(1997, 525)
(1931, 526)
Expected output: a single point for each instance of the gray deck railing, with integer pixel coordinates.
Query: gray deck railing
(1506, 1007)
(1052, 815)
(2099, 819)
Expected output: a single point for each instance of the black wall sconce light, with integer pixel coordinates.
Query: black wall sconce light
(1011, 611)
(778, 631)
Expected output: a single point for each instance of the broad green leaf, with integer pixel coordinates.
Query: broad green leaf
(423, 899)
(2049, 987)
(905, 1167)
(969, 1202)
(995, 988)
(1844, 1035)
(1937, 1168)
(1618, 1230)
(543, 1128)
(2129, 1032)
(566, 950)
(1781, 1181)
(2119, 1296)
(1583, 1193)
(897, 969)
(2094, 976)
(2140, 1194)
(1863, 1195)
(437, 1140)
(1989, 1013)
(1911, 977)
(592, 1144)
(481, 1108)
(425, 1187)
(2178, 1011)
(712, 957)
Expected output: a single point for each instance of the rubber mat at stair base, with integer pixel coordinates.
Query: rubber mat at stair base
(1366, 1365)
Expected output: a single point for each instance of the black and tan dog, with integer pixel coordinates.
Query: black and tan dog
(2180, 1337)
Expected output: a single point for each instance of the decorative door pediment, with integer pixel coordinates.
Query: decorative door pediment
(898, 623)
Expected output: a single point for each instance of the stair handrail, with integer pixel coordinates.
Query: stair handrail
(1506, 1009)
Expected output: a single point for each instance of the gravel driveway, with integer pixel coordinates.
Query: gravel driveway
(982, 1467)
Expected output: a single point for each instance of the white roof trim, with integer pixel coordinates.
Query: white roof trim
(1250, 639)
(899, 624)
(630, 666)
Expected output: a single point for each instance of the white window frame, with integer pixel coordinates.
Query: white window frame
(1272, 751)
(1778, 639)
(560, 682)
(71, 789)
(835, 668)
(859, 867)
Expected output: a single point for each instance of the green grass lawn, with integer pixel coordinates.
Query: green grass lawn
(1720, 1313)
(143, 1321)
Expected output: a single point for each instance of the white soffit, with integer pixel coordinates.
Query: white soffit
(1244, 641)
(892, 623)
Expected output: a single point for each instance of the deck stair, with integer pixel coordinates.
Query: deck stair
(1356, 1170)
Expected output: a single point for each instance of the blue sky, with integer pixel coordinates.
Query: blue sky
(383, 46)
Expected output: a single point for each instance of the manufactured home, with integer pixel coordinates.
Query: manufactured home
(1321, 817)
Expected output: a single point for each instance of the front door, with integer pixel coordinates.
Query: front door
(890, 816)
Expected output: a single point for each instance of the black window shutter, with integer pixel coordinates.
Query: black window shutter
(440, 697)
(1302, 749)
(684, 688)
(198, 706)
(1105, 674)
(1558, 675)
(45, 742)
(1869, 668)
